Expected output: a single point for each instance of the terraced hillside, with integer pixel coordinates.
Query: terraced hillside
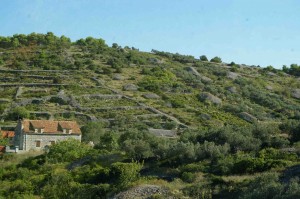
(231, 124)
(156, 88)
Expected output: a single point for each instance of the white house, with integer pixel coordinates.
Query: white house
(38, 134)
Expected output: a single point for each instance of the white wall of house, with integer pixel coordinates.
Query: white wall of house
(38, 142)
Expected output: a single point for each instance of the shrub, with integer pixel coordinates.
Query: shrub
(231, 64)
(58, 100)
(199, 191)
(107, 70)
(92, 131)
(67, 151)
(188, 177)
(203, 58)
(125, 173)
(19, 113)
(264, 186)
(291, 127)
(57, 80)
(177, 103)
(216, 60)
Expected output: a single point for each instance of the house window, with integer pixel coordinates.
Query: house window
(38, 143)
(52, 142)
(39, 130)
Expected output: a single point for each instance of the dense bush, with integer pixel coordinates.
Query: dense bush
(217, 156)
(18, 113)
(176, 57)
(216, 60)
(293, 70)
(158, 79)
(93, 131)
(291, 127)
(69, 150)
(125, 173)
(269, 186)
(203, 58)
(49, 39)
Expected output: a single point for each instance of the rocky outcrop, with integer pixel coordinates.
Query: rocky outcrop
(150, 96)
(205, 96)
(269, 87)
(19, 92)
(296, 93)
(163, 132)
(205, 116)
(271, 74)
(232, 89)
(232, 75)
(155, 61)
(130, 87)
(99, 82)
(144, 192)
(196, 73)
(248, 117)
(117, 77)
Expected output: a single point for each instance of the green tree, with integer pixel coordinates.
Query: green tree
(3, 141)
(125, 173)
(15, 43)
(19, 113)
(216, 60)
(59, 184)
(65, 42)
(203, 58)
(67, 151)
(265, 186)
(108, 141)
(270, 69)
(93, 131)
(137, 144)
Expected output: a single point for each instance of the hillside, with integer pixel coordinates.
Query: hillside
(82, 76)
(195, 127)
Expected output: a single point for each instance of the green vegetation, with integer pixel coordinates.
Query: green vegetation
(236, 127)
(293, 70)
(216, 60)
(203, 58)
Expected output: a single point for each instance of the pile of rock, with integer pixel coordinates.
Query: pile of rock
(205, 96)
(143, 192)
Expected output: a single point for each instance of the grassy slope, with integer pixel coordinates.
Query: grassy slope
(266, 96)
(189, 107)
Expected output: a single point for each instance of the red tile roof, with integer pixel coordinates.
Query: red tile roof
(49, 126)
(2, 149)
(7, 134)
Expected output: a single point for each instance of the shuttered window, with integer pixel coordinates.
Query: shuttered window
(38, 143)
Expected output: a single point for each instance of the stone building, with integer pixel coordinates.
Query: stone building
(38, 134)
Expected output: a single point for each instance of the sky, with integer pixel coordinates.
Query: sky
(253, 32)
